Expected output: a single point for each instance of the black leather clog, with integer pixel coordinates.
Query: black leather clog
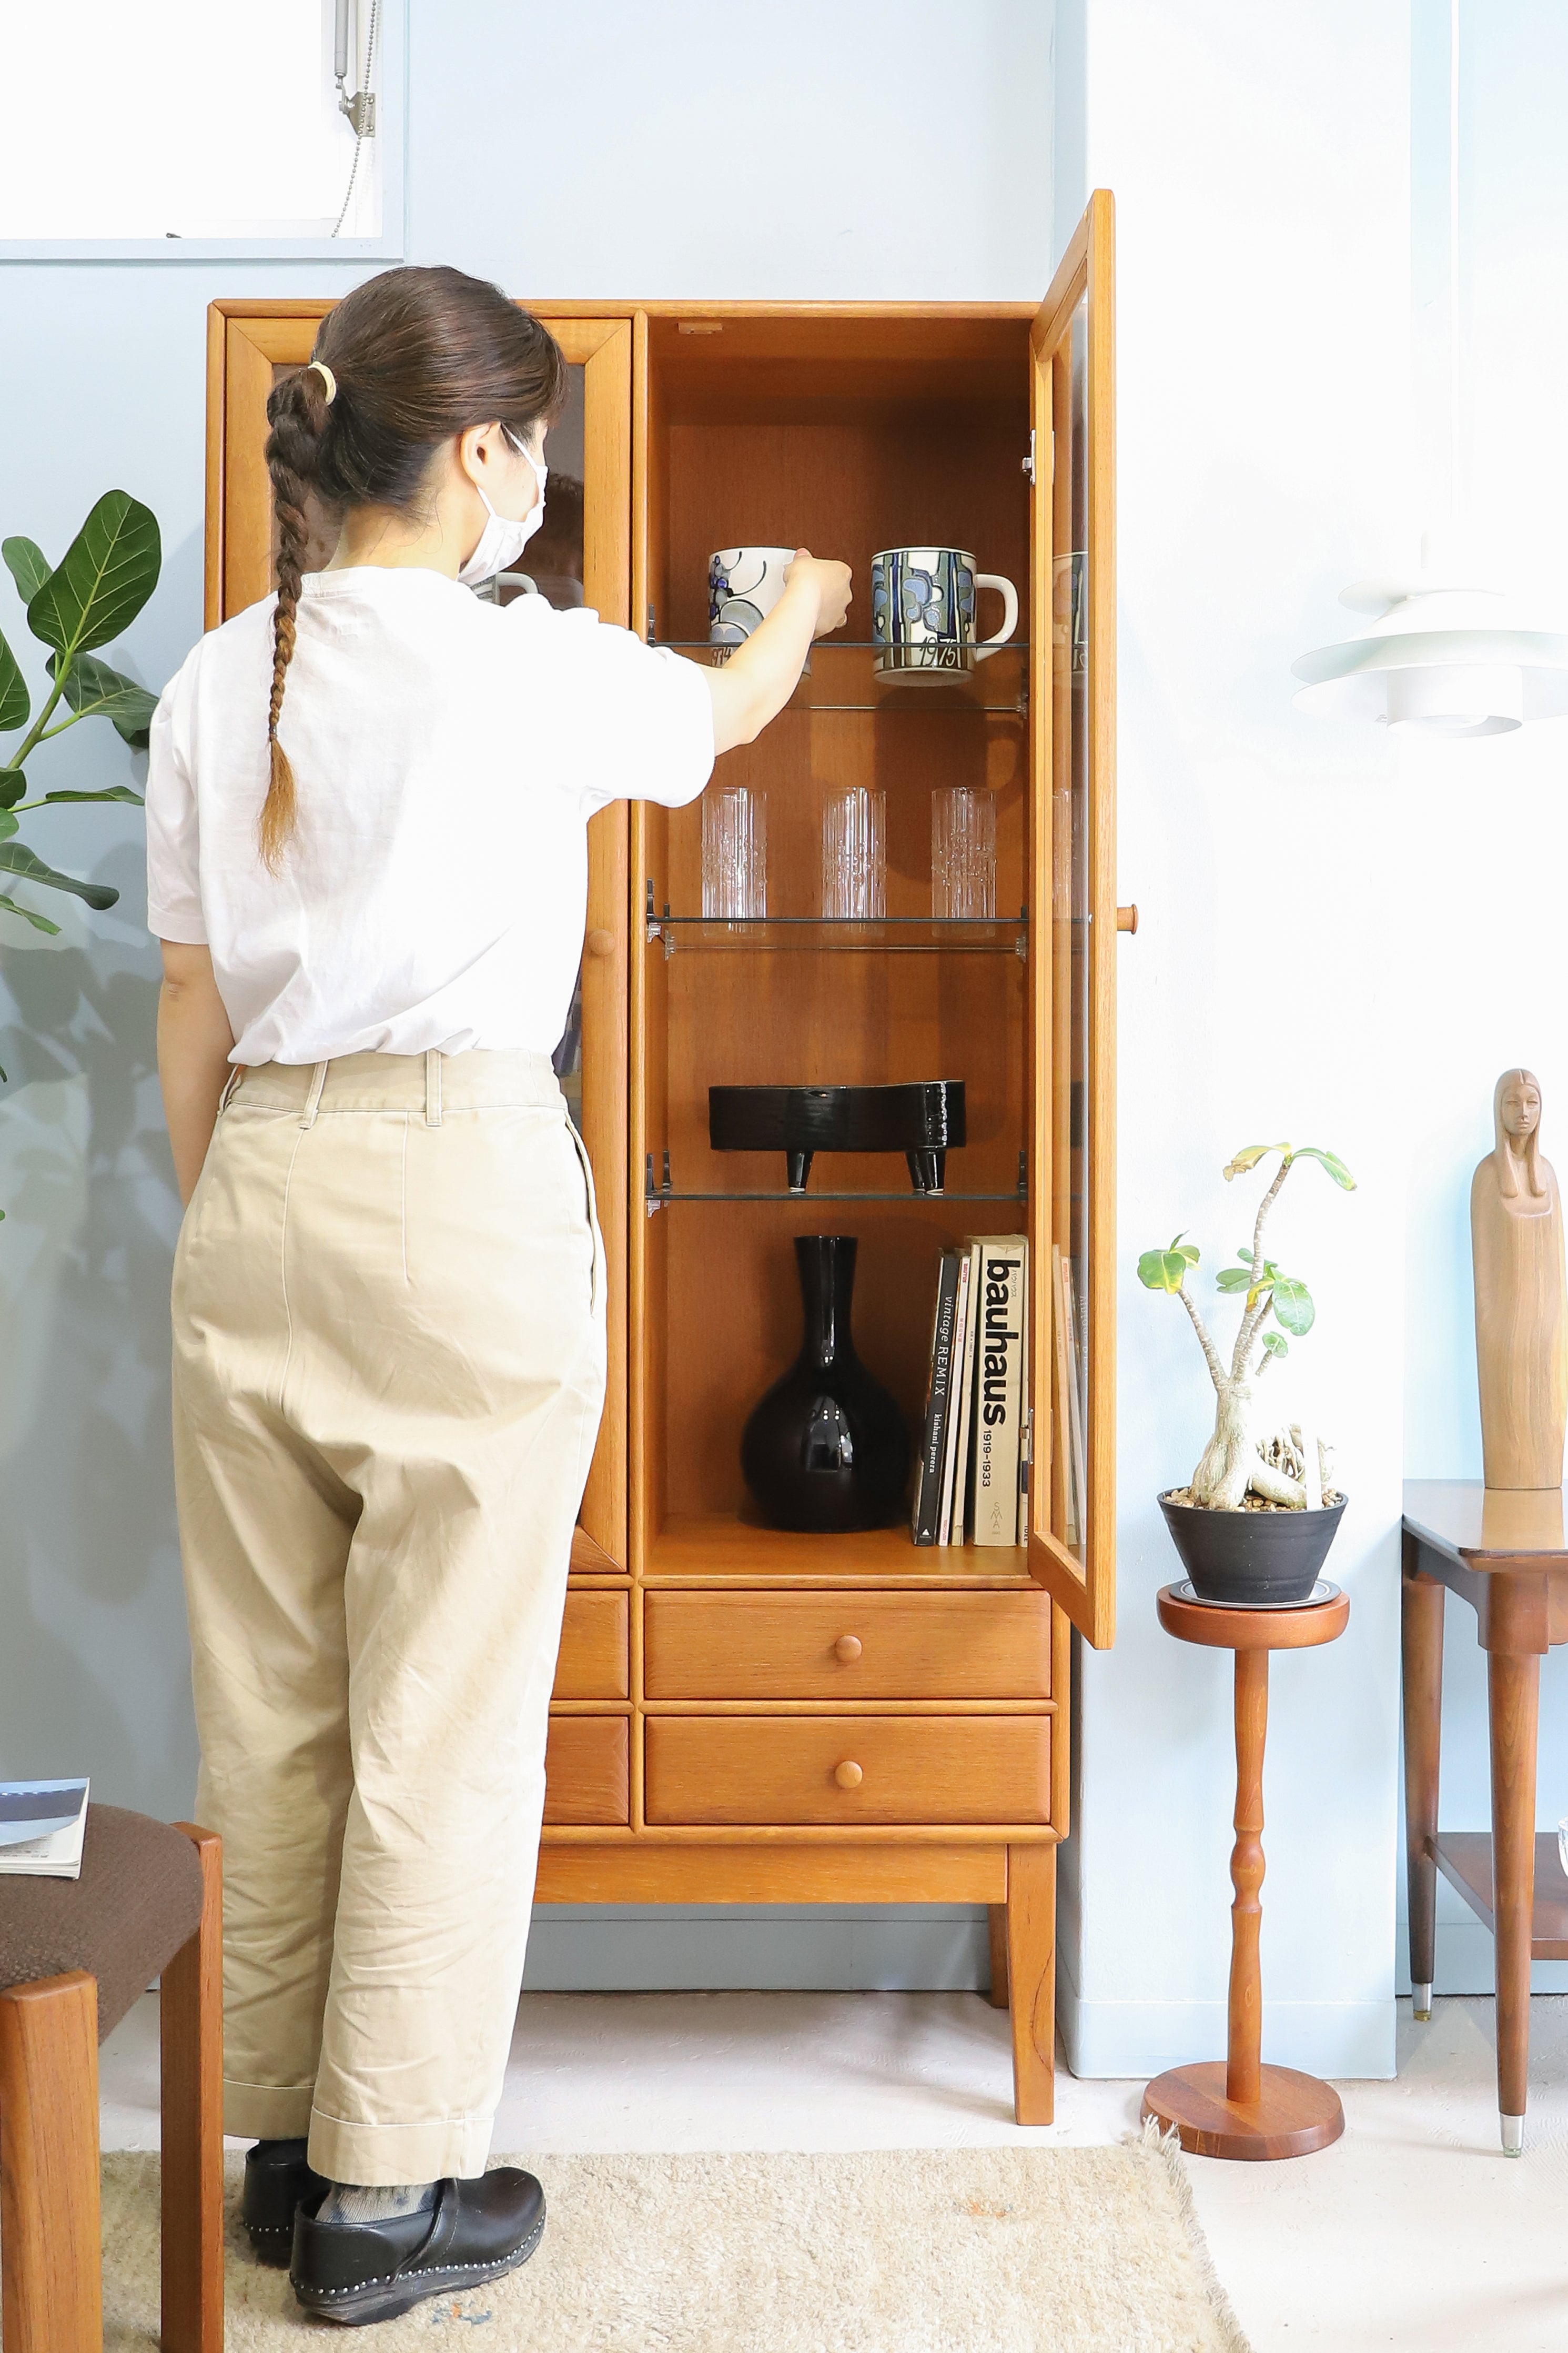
(357, 2272)
(278, 2180)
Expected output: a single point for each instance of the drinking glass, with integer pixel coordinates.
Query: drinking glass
(963, 854)
(734, 852)
(853, 854)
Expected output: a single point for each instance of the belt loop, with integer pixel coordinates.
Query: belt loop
(229, 1086)
(314, 1100)
(433, 1087)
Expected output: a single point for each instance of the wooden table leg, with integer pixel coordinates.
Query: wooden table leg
(1513, 1692)
(191, 2029)
(1421, 1635)
(51, 2286)
(1240, 2108)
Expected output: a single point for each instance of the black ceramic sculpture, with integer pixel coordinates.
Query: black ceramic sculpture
(827, 1449)
(920, 1121)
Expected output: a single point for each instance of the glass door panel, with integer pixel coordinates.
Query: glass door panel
(1072, 1531)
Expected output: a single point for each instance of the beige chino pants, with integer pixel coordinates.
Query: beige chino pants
(389, 1369)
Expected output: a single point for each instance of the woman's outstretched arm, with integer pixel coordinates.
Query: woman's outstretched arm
(195, 1041)
(761, 675)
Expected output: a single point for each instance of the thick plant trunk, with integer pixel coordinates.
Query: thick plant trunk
(1231, 1462)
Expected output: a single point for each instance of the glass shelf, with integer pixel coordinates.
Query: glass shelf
(667, 1199)
(842, 676)
(889, 935)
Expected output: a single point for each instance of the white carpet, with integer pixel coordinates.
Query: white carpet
(920, 2250)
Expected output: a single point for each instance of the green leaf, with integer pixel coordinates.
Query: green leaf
(93, 691)
(16, 859)
(1163, 1269)
(1189, 1250)
(13, 787)
(14, 699)
(1277, 1343)
(23, 560)
(1243, 1161)
(1331, 1161)
(7, 825)
(39, 924)
(103, 579)
(1293, 1306)
(1234, 1278)
(110, 793)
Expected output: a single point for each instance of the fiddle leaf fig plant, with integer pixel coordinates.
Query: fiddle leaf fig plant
(1240, 1459)
(96, 590)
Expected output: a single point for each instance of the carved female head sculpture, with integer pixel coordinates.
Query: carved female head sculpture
(1516, 1119)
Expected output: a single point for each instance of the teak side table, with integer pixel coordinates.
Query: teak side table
(1237, 2107)
(1504, 1551)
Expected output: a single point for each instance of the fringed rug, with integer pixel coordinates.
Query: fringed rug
(897, 2251)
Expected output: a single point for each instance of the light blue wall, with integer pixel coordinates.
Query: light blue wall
(881, 150)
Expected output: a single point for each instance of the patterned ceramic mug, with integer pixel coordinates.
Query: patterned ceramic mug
(922, 610)
(744, 584)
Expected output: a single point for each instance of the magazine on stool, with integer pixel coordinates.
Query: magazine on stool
(41, 1827)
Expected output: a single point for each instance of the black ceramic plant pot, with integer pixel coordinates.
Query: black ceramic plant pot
(827, 1449)
(1247, 1557)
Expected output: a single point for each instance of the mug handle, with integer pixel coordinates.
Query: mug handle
(987, 646)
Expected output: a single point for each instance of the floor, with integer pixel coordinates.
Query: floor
(1412, 2230)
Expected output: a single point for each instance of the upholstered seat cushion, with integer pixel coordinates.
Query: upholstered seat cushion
(138, 1900)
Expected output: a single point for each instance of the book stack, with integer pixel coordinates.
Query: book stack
(973, 1475)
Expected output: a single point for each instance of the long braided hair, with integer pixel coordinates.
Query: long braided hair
(419, 357)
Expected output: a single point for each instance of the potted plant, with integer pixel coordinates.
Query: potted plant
(1255, 1521)
(97, 589)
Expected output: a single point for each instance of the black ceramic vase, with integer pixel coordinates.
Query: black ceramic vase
(827, 1449)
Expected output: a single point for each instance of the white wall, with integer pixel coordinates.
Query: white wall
(1259, 155)
(1485, 825)
(901, 148)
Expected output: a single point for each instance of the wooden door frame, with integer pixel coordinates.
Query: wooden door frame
(1086, 1590)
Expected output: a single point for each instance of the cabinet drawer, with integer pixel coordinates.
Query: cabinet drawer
(593, 1662)
(587, 1769)
(848, 1646)
(942, 1768)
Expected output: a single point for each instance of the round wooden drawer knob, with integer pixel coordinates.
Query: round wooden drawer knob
(848, 1648)
(848, 1775)
(599, 943)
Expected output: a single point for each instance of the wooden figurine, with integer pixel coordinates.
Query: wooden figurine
(1522, 1299)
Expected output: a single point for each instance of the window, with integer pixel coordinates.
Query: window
(217, 129)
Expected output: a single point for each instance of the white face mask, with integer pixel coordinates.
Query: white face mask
(502, 542)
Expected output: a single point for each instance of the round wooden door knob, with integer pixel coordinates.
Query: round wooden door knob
(848, 1648)
(848, 1775)
(599, 943)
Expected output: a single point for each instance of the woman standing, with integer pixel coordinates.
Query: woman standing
(367, 866)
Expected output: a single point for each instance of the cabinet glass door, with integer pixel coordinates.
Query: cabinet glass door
(1072, 1506)
(581, 555)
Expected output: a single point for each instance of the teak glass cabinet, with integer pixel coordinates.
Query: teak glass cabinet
(743, 1716)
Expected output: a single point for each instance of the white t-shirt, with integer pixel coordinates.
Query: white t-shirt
(447, 755)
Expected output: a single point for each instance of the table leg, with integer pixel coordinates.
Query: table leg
(1245, 2040)
(1239, 2107)
(1422, 1632)
(1513, 1692)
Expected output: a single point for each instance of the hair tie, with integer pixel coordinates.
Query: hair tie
(328, 378)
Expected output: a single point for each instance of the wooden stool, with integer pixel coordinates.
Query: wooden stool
(1239, 2107)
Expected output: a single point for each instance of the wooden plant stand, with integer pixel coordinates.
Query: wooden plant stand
(1237, 2107)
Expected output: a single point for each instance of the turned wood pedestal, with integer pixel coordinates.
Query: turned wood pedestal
(1236, 2106)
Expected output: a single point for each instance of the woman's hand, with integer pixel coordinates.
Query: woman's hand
(194, 1042)
(833, 585)
(760, 676)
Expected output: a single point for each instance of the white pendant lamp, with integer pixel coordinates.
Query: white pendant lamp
(1445, 660)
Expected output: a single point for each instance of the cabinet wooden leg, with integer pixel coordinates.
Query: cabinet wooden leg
(1422, 1633)
(1031, 1980)
(998, 1923)
(51, 2287)
(191, 2032)
(1513, 1691)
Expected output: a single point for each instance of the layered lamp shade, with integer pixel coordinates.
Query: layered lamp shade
(1449, 660)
